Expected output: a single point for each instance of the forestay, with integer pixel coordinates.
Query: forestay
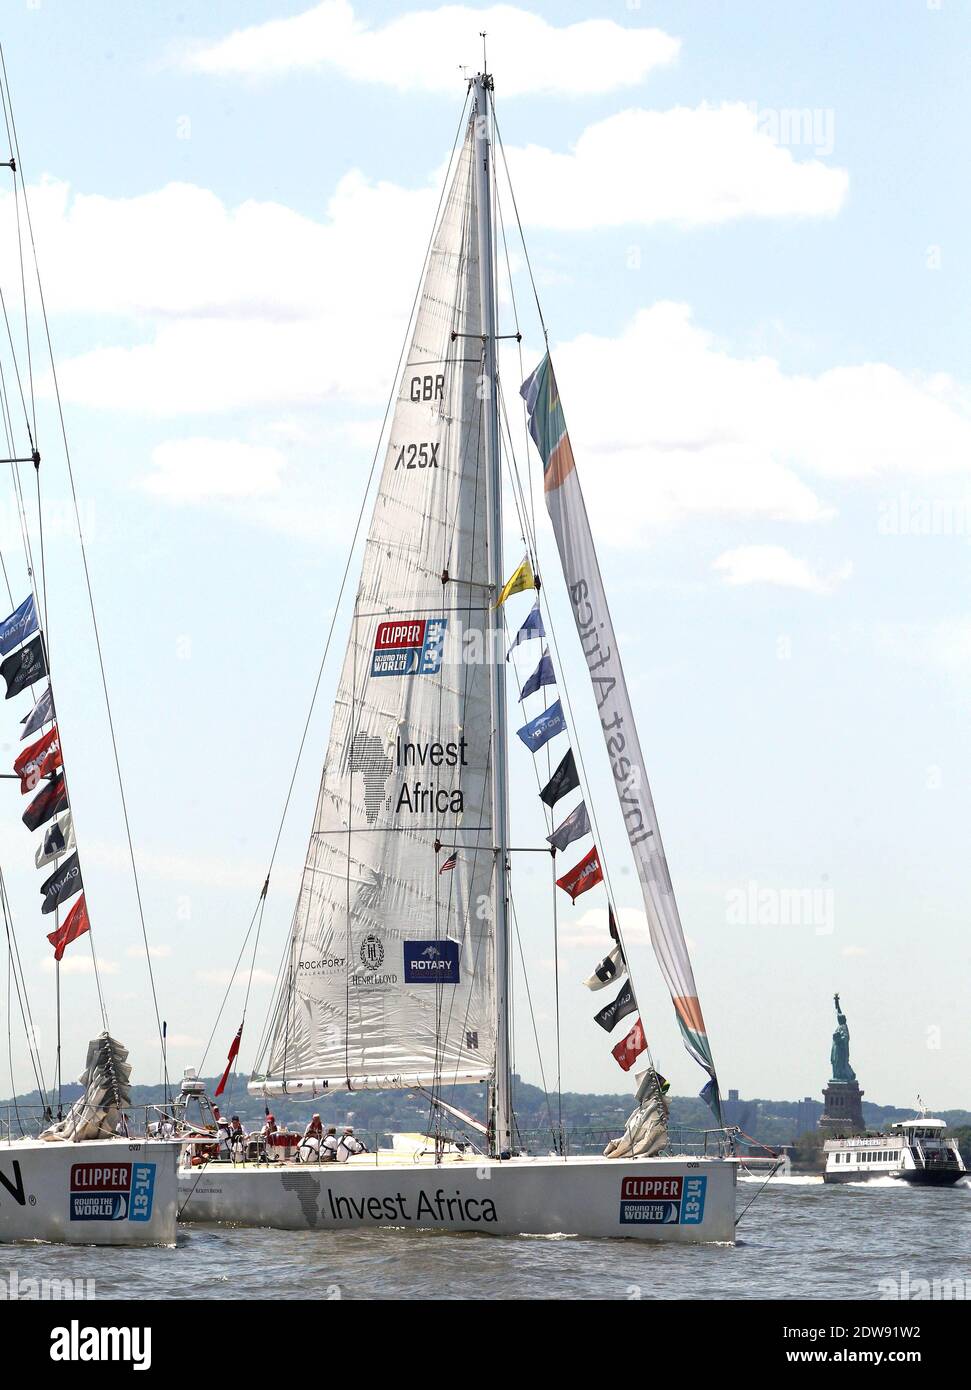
(389, 980)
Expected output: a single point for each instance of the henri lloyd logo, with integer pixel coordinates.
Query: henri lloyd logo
(409, 647)
(431, 962)
(658, 1201)
(372, 952)
(112, 1192)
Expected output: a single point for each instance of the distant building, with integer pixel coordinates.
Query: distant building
(808, 1112)
(744, 1113)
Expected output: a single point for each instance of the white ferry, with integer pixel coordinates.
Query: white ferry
(916, 1151)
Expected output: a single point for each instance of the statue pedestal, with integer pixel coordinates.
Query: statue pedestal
(842, 1110)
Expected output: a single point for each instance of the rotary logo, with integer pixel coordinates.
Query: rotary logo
(372, 952)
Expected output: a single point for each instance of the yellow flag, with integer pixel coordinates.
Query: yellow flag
(523, 579)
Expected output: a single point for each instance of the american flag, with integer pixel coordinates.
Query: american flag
(449, 863)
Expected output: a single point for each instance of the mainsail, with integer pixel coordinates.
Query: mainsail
(390, 975)
(578, 557)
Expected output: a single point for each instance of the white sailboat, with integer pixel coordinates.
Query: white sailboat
(80, 1176)
(398, 969)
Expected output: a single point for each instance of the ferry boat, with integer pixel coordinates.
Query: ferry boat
(918, 1152)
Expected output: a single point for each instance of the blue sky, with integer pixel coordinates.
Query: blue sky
(749, 230)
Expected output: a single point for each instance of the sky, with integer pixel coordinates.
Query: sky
(748, 228)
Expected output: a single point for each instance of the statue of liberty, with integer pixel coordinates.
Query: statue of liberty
(839, 1057)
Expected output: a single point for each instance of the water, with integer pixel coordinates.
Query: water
(801, 1239)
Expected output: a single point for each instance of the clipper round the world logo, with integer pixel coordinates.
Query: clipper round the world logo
(409, 647)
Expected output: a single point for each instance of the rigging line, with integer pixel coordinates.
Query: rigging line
(562, 688)
(519, 225)
(232, 981)
(13, 354)
(584, 781)
(23, 278)
(370, 477)
(86, 569)
(456, 388)
(591, 810)
(532, 1016)
(467, 678)
(556, 1007)
(23, 999)
(519, 350)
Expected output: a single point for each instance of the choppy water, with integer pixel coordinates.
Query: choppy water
(801, 1239)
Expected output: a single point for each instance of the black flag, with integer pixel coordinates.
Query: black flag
(46, 803)
(624, 1004)
(564, 779)
(576, 825)
(24, 667)
(62, 884)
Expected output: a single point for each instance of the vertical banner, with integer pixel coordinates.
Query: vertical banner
(578, 557)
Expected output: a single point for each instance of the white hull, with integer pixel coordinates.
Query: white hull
(669, 1199)
(100, 1192)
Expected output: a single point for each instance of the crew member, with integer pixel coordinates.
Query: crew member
(349, 1145)
(328, 1149)
(309, 1149)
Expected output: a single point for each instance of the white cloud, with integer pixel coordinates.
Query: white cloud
(850, 951)
(590, 929)
(156, 952)
(773, 564)
(682, 427)
(198, 470)
(692, 165)
(422, 51)
(80, 965)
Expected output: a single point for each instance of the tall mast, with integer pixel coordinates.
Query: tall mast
(502, 1136)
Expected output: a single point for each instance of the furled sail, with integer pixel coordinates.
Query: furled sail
(389, 981)
(107, 1094)
(578, 557)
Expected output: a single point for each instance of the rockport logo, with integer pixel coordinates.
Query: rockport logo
(16, 1187)
(77, 1343)
(324, 963)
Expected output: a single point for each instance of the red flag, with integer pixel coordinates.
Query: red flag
(630, 1048)
(582, 876)
(233, 1054)
(38, 760)
(75, 924)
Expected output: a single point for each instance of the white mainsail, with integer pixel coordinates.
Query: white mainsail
(390, 976)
